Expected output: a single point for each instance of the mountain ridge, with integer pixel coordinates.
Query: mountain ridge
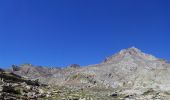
(130, 71)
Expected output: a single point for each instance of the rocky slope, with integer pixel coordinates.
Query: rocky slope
(129, 72)
(14, 87)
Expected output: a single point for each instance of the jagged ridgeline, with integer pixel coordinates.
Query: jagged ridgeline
(129, 74)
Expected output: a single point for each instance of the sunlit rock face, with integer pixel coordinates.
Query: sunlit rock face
(130, 69)
(132, 52)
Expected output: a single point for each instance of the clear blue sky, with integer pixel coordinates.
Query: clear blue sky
(62, 32)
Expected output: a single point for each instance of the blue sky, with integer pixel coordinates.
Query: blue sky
(62, 32)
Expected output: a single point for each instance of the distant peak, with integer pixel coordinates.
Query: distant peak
(129, 52)
(74, 66)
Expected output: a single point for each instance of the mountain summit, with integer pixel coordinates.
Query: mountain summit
(129, 53)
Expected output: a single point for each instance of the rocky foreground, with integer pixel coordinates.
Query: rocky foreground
(14, 87)
(128, 75)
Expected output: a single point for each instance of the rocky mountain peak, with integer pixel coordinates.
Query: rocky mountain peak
(132, 52)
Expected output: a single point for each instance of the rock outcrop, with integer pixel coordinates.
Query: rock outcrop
(14, 87)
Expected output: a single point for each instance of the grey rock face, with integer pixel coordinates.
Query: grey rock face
(129, 71)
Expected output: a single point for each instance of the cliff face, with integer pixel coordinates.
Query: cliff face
(130, 70)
